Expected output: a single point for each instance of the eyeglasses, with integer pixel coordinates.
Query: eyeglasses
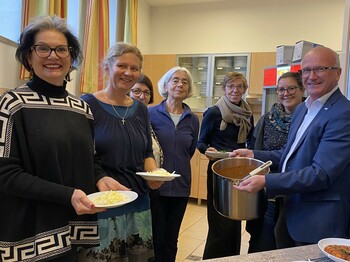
(176, 81)
(290, 89)
(44, 51)
(231, 87)
(318, 71)
(138, 92)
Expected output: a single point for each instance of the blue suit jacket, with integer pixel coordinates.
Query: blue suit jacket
(316, 182)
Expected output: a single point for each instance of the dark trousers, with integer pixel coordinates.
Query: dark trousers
(283, 238)
(167, 215)
(224, 234)
(261, 230)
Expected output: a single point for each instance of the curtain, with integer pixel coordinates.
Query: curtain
(96, 43)
(126, 27)
(131, 22)
(58, 7)
(120, 20)
(94, 32)
(32, 8)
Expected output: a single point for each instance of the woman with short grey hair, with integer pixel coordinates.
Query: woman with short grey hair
(166, 78)
(176, 128)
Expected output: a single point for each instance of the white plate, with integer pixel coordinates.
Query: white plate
(333, 241)
(217, 154)
(155, 177)
(130, 196)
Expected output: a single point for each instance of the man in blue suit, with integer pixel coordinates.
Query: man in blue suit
(315, 163)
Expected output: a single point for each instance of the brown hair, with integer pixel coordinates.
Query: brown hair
(232, 76)
(293, 75)
(143, 79)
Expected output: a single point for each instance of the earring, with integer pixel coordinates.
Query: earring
(31, 73)
(68, 79)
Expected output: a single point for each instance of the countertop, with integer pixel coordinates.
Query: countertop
(303, 253)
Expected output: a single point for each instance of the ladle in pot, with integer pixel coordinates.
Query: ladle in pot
(256, 171)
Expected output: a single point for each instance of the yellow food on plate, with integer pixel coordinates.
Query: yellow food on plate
(109, 198)
(160, 171)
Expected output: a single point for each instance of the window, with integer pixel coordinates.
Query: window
(10, 19)
(112, 22)
(73, 16)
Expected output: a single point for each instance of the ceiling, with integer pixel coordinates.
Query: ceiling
(178, 2)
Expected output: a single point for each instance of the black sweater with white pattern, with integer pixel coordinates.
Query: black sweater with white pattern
(46, 151)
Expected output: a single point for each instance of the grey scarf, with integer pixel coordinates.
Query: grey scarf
(237, 115)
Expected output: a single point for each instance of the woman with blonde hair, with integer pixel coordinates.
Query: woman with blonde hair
(123, 142)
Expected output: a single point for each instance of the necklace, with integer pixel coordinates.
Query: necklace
(115, 110)
(122, 117)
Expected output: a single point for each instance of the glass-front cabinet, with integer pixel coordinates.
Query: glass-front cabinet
(199, 66)
(208, 72)
(269, 97)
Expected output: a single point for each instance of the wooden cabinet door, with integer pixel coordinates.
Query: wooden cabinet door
(203, 167)
(258, 63)
(195, 174)
(155, 66)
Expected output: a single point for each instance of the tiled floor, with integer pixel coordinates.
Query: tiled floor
(193, 232)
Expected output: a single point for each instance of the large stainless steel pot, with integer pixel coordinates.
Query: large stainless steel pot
(230, 202)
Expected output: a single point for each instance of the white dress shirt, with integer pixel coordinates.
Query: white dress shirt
(312, 110)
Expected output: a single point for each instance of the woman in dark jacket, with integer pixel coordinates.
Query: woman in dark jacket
(226, 126)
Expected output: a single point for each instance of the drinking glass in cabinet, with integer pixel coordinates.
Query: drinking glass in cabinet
(198, 67)
(223, 65)
(208, 72)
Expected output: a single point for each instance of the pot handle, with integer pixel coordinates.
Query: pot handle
(257, 170)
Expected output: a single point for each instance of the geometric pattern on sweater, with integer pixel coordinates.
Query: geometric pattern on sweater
(50, 243)
(24, 97)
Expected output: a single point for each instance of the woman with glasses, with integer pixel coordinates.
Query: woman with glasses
(271, 133)
(47, 153)
(176, 128)
(226, 126)
(143, 91)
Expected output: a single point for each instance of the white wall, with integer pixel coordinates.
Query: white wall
(344, 81)
(9, 67)
(242, 26)
(143, 26)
